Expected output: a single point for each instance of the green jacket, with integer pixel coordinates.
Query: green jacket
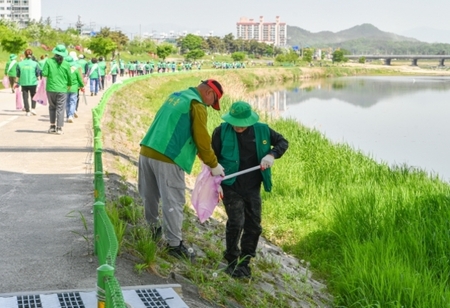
(28, 72)
(58, 76)
(77, 80)
(102, 67)
(93, 71)
(170, 133)
(229, 154)
(82, 63)
(11, 68)
(42, 63)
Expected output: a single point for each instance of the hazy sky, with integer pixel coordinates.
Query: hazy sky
(139, 16)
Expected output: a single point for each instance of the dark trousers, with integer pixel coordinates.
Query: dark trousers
(243, 226)
(28, 91)
(102, 82)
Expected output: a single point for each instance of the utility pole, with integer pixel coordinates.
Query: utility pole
(79, 25)
(57, 20)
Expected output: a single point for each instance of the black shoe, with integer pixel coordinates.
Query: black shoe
(239, 271)
(52, 129)
(181, 252)
(156, 234)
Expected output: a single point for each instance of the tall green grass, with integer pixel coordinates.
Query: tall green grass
(380, 235)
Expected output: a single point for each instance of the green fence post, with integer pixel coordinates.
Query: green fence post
(98, 165)
(103, 272)
(99, 187)
(98, 206)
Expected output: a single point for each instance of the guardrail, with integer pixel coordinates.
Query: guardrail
(109, 292)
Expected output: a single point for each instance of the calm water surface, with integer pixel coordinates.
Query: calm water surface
(398, 120)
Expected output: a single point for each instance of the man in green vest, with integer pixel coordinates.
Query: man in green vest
(177, 135)
(241, 142)
(11, 70)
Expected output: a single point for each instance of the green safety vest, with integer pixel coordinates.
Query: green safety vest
(170, 133)
(229, 155)
(27, 69)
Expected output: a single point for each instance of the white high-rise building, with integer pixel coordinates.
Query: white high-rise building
(21, 11)
(274, 33)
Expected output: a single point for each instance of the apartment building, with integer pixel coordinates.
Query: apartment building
(274, 33)
(21, 11)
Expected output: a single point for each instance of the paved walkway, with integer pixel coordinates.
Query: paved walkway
(46, 189)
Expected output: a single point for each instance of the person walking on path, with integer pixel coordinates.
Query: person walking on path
(72, 94)
(11, 71)
(82, 63)
(59, 81)
(168, 150)
(102, 68)
(241, 142)
(94, 75)
(28, 72)
(114, 71)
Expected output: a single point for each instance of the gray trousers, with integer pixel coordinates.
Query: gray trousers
(56, 105)
(160, 181)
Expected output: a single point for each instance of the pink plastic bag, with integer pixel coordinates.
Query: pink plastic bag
(19, 99)
(41, 95)
(206, 193)
(108, 77)
(5, 82)
(85, 80)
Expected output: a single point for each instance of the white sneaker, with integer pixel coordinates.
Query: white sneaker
(33, 111)
(75, 114)
(28, 114)
(70, 119)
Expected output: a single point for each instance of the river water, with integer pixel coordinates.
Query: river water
(398, 120)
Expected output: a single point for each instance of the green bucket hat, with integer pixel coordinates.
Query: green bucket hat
(241, 114)
(60, 50)
(12, 56)
(69, 59)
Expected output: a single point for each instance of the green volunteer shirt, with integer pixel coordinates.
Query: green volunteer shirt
(10, 68)
(28, 70)
(58, 76)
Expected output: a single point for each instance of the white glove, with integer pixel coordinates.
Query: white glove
(267, 161)
(218, 170)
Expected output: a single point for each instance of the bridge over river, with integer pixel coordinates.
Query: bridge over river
(414, 58)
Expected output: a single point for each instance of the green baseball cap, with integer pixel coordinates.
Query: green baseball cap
(241, 114)
(12, 56)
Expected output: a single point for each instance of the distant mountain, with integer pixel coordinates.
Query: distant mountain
(429, 35)
(364, 39)
(301, 37)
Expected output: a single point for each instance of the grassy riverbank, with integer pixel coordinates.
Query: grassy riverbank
(377, 235)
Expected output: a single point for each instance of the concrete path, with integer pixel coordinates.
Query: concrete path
(45, 190)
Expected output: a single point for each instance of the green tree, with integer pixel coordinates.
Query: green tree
(13, 43)
(163, 50)
(215, 44)
(194, 54)
(102, 46)
(362, 60)
(190, 42)
(338, 56)
(292, 56)
(238, 56)
(307, 55)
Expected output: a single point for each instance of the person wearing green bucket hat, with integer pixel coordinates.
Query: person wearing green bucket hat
(240, 143)
(11, 70)
(59, 81)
